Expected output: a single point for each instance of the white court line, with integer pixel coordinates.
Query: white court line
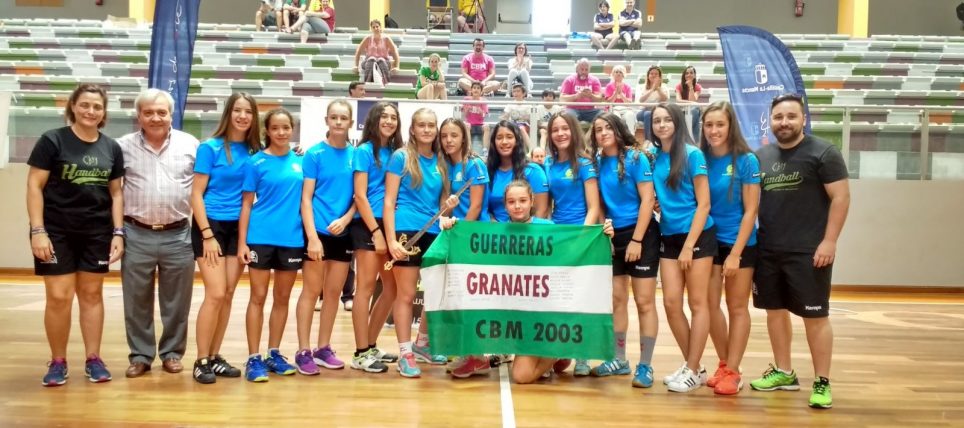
(508, 410)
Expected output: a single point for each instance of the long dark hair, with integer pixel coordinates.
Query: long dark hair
(685, 90)
(252, 137)
(624, 140)
(267, 123)
(370, 133)
(737, 144)
(518, 155)
(577, 144)
(677, 150)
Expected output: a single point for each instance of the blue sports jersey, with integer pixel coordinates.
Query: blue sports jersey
(331, 169)
(678, 206)
(538, 220)
(567, 188)
(727, 206)
(534, 174)
(477, 170)
(621, 197)
(364, 161)
(415, 206)
(222, 198)
(276, 215)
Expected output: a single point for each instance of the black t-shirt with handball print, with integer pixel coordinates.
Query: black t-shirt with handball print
(76, 196)
(794, 204)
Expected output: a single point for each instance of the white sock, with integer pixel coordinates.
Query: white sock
(405, 347)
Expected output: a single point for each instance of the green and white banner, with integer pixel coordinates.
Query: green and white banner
(509, 288)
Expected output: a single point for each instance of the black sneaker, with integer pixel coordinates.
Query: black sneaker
(220, 367)
(202, 371)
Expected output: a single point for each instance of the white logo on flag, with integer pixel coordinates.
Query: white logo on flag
(760, 73)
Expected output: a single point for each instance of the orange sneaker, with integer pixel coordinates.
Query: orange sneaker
(717, 376)
(730, 384)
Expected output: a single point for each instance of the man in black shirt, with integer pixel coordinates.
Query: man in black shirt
(803, 205)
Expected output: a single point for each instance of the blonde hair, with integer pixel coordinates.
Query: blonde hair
(411, 155)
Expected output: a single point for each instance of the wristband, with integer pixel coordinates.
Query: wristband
(638, 241)
(119, 231)
(376, 229)
(209, 237)
(38, 231)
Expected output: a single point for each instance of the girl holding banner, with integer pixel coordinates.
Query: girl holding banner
(507, 162)
(464, 165)
(734, 179)
(271, 237)
(626, 185)
(416, 186)
(326, 211)
(216, 201)
(380, 137)
(574, 190)
(688, 244)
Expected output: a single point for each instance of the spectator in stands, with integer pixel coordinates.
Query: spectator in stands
(267, 16)
(479, 67)
(380, 52)
(582, 87)
(470, 11)
(602, 28)
(618, 91)
(439, 14)
(538, 155)
(519, 114)
(652, 92)
(546, 110)
(356, 90)
(431, 81)
(291, 11)
(630, 23)
(319, 18)
(474, 115)
(520, 66)
(688, 92)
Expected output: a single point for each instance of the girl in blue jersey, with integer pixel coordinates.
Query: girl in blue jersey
(380, 137)
(416, 186)
(506, 162)
(270, 237)
(464, 165)
(626, 185)
(573, 186)
(688, 244)
(734, 178)
(326, 211)
(216, 202)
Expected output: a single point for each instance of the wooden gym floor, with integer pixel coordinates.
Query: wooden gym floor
(898, 361)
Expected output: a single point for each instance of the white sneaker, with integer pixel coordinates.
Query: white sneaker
(702, 375)
(685, 382)
(669, 378)
(349, 304)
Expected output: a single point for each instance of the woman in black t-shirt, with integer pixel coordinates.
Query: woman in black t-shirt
(75, 205)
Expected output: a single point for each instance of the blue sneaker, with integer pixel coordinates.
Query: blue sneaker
(56, 373)
(96, 370)
(407, 367)
(424, 355)
(255, 370)
(612, 368)
(643, 378)
(278, 363)
(581, 368)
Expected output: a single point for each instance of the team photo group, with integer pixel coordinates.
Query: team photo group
(716, 221)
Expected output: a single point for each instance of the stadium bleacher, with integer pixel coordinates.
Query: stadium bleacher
(42, 60)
